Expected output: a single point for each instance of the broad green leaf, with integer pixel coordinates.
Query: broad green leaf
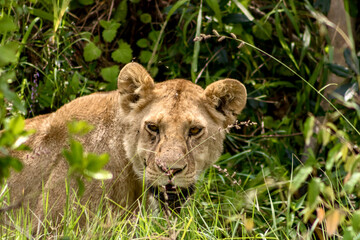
(145, 56)
(308, 129)
(356, 221)
(300, 178)
(325, 136)
(16, 125)
(91, 52)
(143, 43)
(123, 54)
(145, 18)
(350, 184)
(333, 155)
(97, 162)
(110, 29)
(121, 11)
(109, 35)
(7, 24)
(8, 55)
(79, 127)
(153, 35)
(110, 74)
(313, 192)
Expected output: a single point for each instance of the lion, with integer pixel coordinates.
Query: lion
(161, 135)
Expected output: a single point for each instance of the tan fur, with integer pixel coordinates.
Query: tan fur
(120, 121)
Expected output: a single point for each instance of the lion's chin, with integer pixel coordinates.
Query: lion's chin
(170, 196)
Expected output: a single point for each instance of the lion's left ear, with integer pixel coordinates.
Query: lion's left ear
(134, 84)
(228, 96)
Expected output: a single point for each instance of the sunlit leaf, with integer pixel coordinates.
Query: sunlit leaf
(334, 155)
(79, 127)
(308, 129)
(300, 178)
(7, 24)
(356, 221)
(313, 192)
(351, 183)
(99, 175)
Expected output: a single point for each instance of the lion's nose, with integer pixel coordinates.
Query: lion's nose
(172, 171)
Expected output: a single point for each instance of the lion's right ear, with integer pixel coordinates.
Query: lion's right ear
(134, 83)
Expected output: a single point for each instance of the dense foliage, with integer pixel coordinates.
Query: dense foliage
(290, 170)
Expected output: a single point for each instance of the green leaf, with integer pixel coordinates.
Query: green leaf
(123, 54)
(350, 184)
(81, 186)
(79, 127)
(8, 55)
(15, 163)
(145, 18)
(99, 175)
(313, 193)
(110, 74)
(308, 129)
(351, 60)
(91, 52)
(121, 11)
(143, 43)
(333, 155)
(145, 56)
(339, 70)
(262, 31)
(110, 29)
(7, 24)
(41, 14)
(300, 177)
(86, 2)
(11, 96)
(109, 35)
(356, 221)
(76, 153)
(214, 5)
(283, 42)
(16, 125)
(96, 163)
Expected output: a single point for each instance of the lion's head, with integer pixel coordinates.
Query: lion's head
(176, 128)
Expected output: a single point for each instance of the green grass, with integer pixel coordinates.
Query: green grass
(55, 51)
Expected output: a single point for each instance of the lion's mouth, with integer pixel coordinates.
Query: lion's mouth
(171, 196)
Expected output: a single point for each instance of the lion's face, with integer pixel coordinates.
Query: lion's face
(176, 129)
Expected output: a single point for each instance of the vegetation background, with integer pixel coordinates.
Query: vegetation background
(292, 175)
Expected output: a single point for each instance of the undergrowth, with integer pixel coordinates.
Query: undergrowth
(293, 175)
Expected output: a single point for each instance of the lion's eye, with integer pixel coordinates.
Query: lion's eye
(152, 127)
(194, 131)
